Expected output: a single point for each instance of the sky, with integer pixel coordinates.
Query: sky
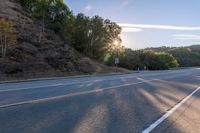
(148, 23)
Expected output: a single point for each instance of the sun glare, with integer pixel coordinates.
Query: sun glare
(115, 42)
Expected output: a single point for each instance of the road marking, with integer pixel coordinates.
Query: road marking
(73, 94)
(54, 85)
(98, 80)
(168, 113)
(80, 93)
(45, 86)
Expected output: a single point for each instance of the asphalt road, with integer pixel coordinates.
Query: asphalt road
(158, 101)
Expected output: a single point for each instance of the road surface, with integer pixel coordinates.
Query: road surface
(157, 101)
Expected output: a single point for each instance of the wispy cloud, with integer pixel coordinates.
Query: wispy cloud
(159, 27)
(125, 3)
(87, 8)
(186, 37)
(131, 30)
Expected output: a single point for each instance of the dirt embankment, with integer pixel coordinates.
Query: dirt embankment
(31, 58)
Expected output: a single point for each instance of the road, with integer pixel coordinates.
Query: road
(151, 101)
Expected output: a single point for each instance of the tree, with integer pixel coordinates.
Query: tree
(113, 39)
(81, 33)
(166, 61)
(61, 19)
(94, 37)
(29, 4)
(7, 35)
(96, 45)
(147, 59)
(41, 9)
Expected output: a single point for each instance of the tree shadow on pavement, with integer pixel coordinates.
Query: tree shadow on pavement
(130, 109)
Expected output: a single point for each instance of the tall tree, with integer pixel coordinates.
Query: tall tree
(7, 35)
(80, 34)
(59, 16)
(40, 10)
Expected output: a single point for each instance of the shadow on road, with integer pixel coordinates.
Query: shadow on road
(130, 109)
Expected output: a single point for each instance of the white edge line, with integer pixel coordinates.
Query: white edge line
(168, 113)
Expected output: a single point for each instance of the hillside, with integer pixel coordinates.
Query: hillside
(30, 58)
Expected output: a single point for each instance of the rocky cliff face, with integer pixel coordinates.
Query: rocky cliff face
(31, 57)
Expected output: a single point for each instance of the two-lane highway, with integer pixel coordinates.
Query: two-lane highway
(101, 104)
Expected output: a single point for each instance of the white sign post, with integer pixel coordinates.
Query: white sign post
(116, 61)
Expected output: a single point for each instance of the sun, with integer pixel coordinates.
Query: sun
(115, 42)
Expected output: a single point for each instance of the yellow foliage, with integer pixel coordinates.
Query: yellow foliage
(7, 30)
(7, 35)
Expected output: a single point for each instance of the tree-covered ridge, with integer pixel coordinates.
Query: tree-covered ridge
(186, 56)
(99, 38)
(93, 37)
(161, 58)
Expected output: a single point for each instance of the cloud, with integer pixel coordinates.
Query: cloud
(125, 30)
(160, 27)
(88, 8)
(186, 37)
(125, 3)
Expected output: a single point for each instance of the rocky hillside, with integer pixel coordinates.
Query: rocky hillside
(31, 58)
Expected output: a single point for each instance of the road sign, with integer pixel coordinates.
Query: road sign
(116, 61)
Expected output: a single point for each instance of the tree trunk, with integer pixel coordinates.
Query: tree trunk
(40, 35)
(92, 48)
(5, 46)
(43, 26)
(43, 15)
(1, 46)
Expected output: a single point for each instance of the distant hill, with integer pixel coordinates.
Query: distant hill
(30, 58)
(186, 56)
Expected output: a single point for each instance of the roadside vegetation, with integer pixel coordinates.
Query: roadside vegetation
(99, 38)
(186, 56)
(147, 59)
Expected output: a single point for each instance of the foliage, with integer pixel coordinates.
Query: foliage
(186, 56)
(93, 37)
(7, 35)
(142, 59)
(29, 4)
